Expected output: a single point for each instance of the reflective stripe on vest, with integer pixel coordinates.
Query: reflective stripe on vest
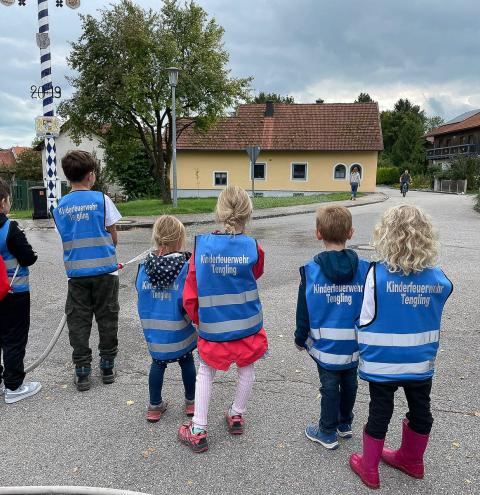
(167, 328)
(229, 304)
(21, 281)
(88, 248)
(401, 342)
(332, 310)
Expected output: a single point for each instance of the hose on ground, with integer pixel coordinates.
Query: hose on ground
(66, 490)
(57, 334)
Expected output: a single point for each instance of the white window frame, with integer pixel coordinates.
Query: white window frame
(359, 166)
(220, 172)
(346, 171)
(291, 171)
(258, 163)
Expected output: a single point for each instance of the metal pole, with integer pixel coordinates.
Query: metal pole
(252, 171)
(174, 148)
(47, 98)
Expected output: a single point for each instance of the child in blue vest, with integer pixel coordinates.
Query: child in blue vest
(168, 330)
(398, 335)
(221, 297)
(329, 301)
(17, 255)
(86, 222)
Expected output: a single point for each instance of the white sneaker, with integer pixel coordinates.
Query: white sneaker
(2, 388)
(26, 390)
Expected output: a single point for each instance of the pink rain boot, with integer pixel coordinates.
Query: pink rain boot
(409, 457)
(366, 464)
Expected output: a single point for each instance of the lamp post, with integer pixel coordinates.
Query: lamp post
(47, 93)
(173, 78)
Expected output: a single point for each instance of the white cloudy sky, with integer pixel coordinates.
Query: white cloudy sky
(425, 50)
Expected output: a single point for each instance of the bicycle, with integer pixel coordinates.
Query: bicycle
(404, 188)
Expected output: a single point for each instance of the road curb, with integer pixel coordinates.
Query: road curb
(257, 215)
(311, 209)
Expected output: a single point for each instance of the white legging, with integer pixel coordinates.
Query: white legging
(203, 390)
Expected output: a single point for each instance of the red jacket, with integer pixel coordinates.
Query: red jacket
(220, 355)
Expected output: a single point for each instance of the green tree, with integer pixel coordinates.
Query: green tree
(276, 98)
(364, 98)
(28, 166)
(121, 60)
(433, 122)
(408, 150)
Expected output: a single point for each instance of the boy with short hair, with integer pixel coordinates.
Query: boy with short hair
(18, 255)
(86, 222)
(329, 301)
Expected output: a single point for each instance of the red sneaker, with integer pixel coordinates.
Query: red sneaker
(189, 407)
(196, 441)
(154, 413)
(235, 424)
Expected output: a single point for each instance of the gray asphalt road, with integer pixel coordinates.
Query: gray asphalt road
(101, 438)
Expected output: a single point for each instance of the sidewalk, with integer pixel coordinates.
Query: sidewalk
(130, 223)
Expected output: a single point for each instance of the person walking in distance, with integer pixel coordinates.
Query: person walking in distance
(355, 180)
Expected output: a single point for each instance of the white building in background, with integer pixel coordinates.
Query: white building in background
(65, 143)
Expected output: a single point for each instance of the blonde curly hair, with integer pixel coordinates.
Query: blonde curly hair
(168, 232)
(234, 209)
(405, 240)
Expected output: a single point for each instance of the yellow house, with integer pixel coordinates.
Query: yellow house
(305, 149)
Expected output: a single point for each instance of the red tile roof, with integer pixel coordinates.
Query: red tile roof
(471, 122)
(299, 127)
(18, 150)
(6, 158)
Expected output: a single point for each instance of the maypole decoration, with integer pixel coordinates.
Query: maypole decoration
(47, 126)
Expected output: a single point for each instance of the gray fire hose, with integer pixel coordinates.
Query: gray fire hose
(67, 490)
(54, 340)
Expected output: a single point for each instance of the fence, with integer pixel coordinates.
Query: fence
(450, 186)
(22, 196)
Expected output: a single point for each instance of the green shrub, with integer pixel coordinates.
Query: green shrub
(422, 182)
(388, 175)
(477, 204)
(463, 167)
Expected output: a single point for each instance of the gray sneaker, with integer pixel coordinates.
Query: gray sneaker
(26, 390)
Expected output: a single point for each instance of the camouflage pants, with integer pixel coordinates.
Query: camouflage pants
(89, 296)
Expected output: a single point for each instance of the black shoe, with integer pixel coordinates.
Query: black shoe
(107, 371)
(81, 379)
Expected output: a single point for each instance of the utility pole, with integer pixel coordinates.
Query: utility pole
(47, 92)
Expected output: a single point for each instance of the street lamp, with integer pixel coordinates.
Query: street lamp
(173, 78)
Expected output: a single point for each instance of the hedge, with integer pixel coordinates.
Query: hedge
(388, 175)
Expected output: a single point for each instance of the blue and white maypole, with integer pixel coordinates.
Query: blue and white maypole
(47, 92)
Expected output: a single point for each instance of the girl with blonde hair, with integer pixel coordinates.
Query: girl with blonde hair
(221, 297)
(169, 333)
(398, 334)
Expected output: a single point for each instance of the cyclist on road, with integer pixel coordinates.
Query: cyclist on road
(405, 178)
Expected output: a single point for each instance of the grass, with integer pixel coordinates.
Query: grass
(154, 207)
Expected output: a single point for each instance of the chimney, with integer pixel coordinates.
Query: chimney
(269, 108)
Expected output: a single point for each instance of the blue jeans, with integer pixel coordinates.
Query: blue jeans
(354, 186)
(339, 391)
(157, 372)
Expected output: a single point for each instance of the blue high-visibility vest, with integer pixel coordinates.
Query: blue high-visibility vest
(401, 342)
(167, 328)
(21, 281)
(229, 307)
(332, 311)
(88, 248)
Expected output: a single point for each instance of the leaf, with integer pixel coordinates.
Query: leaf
(455, 445)
(297, 371)
(477, 414)
(75, 469)
(63, 386)
(130, 402)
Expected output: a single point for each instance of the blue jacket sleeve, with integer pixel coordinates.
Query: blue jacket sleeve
(302, 319)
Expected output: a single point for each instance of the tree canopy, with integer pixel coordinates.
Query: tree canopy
(121, 80)
(28, 166)
(363, 98)
(263, 97)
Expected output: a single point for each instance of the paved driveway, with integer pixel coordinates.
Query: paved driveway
(100, 438)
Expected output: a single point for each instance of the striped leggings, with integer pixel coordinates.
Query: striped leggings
(203, 390)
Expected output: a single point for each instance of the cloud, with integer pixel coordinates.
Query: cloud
(308, 48)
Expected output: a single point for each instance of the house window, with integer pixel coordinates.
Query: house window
(470, 139)
(299, 171)
(220, 178)
(260, 171)
(340, 172)
(359, 167)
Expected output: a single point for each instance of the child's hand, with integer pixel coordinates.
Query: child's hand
(300, 348)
